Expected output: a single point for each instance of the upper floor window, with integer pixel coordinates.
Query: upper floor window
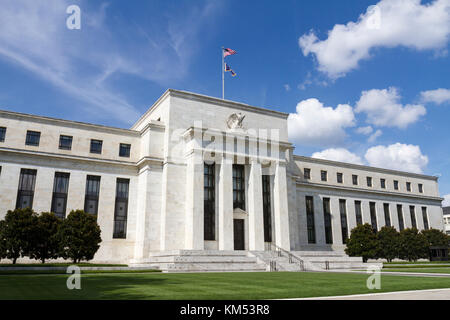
(340, 177)
(383, 183)
(420, 188)
(395, 184)
(323, 175)
(369, 181)
(96, 146)
(25, 194)
(124, 150)
(33, 138)
(408, 186)
(307, 173)
(2, 134)
(355, 179)
(91, 194)
(65, 142)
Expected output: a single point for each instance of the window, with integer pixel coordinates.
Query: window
(324, 175)
(401, 223)
(310, 219)
(340, 177)
(358, 212)
(307, 173)
(373, 216)
(91, 196)
(344, 227)
(65, 142)
(408, 186)
(395, 184)
(387, 214)
(267, 209)
(426, 226)
(96, 146)
(327, 220)
(355, 179)
(25, 194)
(420, 188)
(383, 183)
(121, 209)
(238, 186)
(2, 134)
(369, 181)
(209, 202)
(124, 150)
(412, 212)
(59, 199)
(33, 138)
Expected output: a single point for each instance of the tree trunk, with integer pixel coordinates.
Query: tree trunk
(14, 260)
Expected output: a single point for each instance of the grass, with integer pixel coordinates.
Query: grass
(206, 286)
(42, 272)
(62, 264)
(416, 262)
(412, 266)
(419, 270)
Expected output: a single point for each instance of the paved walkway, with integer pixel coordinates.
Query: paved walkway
(434, 294)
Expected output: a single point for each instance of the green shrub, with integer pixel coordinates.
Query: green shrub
(412, 245)
(363, 243)
(388, 239)
(436, 238)
(46, 244)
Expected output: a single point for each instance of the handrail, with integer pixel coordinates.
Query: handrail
(291, 257)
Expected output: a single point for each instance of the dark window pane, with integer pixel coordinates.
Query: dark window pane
(310, 219)
(33, 138)
(395, 184)
(121, 208)
(209, 203)
(425, 218)
(25, 194)
(327, 221)
(65, 142)
(307, 173)
(383, 183)
(238, 186)
(340, 178)
(2, 134)
(369, 181)
(344, 226)
(401, 223)
(355, 179)
(387, 214)
(412, 211)
(96, 146)
(373, 216)
(420, 188)
(59, 199)
(323, 175)
(358, 212)
(408, 186)
(92, 194)
(267, 209)
(124, 150)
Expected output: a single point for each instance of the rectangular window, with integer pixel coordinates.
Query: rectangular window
(121, 209)
(92, 193)
(383, 183)
(387, 214)
(124, 150)
(426, 226)
(355, 179)
(340, 177)
(33, 138)
(310, 219)
(65, 142)
(344, 226)
(96, 146)
(25, 194)
(420, 188)
(307, 173)
(401, 223)
(267, 209)
(358, 212)
(395, 184)
(373, 216)
(2, 134)
(324, 175)
(369, 181)
(209, 202)
(412, 212)
(238, 186)
(59, 199)
(327, 220)
(408, 186)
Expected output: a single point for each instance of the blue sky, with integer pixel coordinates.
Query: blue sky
(360, 82)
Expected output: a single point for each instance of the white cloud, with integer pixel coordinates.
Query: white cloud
(393, 23)
(398, 157)
(287, 87)
(338, 154)
(446, 202)
(383, 108)
(364, 130)
(438, 96)
(314, 124)
(374, 136)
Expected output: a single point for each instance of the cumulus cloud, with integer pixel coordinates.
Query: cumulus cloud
(364, 130)
(374, 136)
(391, 23)
(397, 156)
(383, 108)
(317, 125)
(438, 96)
(338, 154)
(446, 202)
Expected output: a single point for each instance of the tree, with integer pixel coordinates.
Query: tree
(79, 236)
(363, 243)
(2, 241)
(412, 245)
(18, 233)
(436, 238)
(46, 244)
(388, 239)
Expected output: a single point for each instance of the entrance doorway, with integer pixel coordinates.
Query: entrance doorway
(239, 235)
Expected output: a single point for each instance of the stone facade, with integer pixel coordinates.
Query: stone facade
(170, 145)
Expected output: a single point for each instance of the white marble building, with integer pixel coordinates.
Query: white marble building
(201, 173)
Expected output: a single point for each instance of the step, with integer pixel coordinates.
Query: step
(197, 253)
(200, 259)
(211, 267)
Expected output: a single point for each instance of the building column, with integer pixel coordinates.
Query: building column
(281, 213)
(226, 236)
(255, 208)
(194, 230)
(336, 220)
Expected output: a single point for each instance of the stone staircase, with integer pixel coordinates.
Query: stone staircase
(332, 260)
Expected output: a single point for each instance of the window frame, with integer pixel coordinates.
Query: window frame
(238, 186)
(127, 147)
(2, 134)
(33, 135)
(323, 175)
(209, 202)
(98, 142)
(61, 146)
(340, 177)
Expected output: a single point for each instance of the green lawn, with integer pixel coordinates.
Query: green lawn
(261, 285)
(416, 262)
(419, 270)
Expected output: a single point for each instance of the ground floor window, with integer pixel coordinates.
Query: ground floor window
(267, 208)
(387, 215)
(25, 194)
(412, 211)
(327, 221)
(344, 226)
(425, 218)
(358, 212)
(91, 194)
(209, 202)
(238, 186)
(121, 209)
(401, 223)
(59, 198)
(310, 219)
(373, 216)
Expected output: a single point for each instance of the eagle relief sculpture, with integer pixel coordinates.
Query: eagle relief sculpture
(235, 121)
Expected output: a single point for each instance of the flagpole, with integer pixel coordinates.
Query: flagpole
(223, 75)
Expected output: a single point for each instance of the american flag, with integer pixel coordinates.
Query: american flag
(228, 52)
(227, 68)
